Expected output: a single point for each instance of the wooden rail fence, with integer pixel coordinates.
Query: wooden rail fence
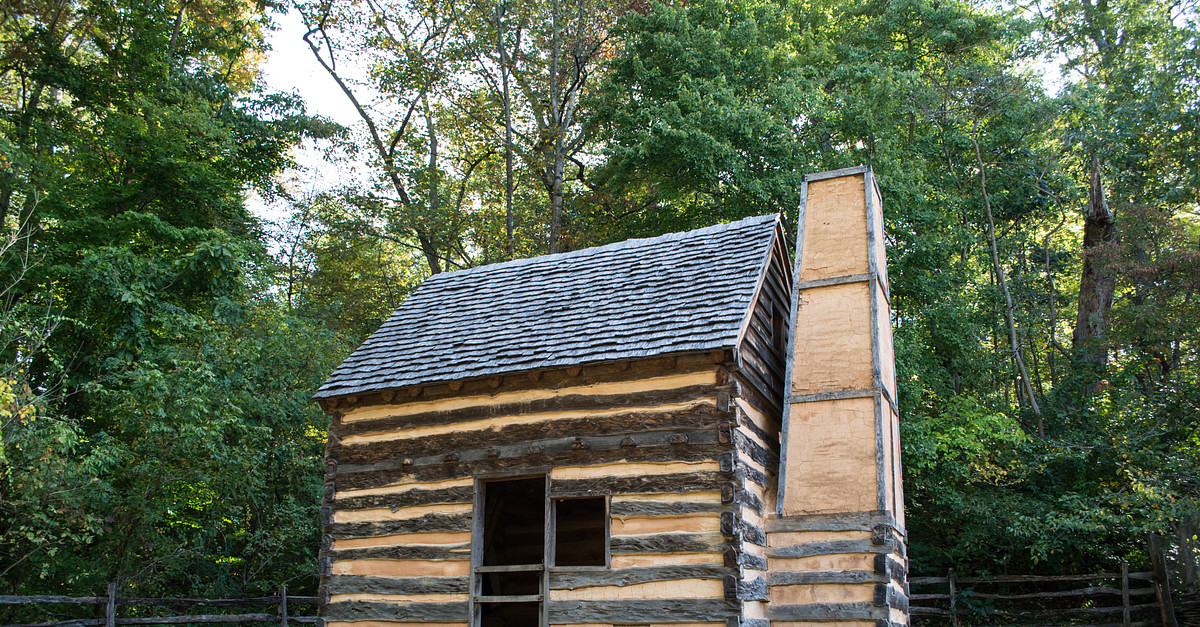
(1123, 599)
(111, 601)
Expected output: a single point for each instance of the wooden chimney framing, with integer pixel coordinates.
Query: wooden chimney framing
(838, 542)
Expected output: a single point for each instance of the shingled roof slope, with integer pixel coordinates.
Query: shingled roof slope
(638, 298)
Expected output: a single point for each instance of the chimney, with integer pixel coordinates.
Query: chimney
(836, 546)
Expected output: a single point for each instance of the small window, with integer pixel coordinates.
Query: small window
(581, 532)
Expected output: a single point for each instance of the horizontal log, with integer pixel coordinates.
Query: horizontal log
(751, 561)
(428, 522)
(827, 611)
(350, 584)
(753, 397)
(751, 501)
(705, 481)
(460, 494)
(389, 472)
(857, 521)
(755, 451)
(561, 579)
(625, 611)
(568, 402)
(889, 566)
(752, 534)
(754, 475)
(452, 611)
(667, 543)
(543, 379)
(771, 438)
(1072, 611)
(753, 590)
(203, 618)
(1024, 578)
(927, 611)
(485, 450)
(8, 599)
(166, 602)
(620, 509)
(832, 547)
(890, 596)
(1058, 594)
(404, 552)
(753, 380)
(509, 568)
(697, 417)
(173, 620)
(1142, 623)
(787, 578)
(72, 622)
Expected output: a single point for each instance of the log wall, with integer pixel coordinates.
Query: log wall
(684, 460)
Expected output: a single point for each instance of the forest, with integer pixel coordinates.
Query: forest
(160, 340)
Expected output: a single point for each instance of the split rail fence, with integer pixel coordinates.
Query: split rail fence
(281, 602)
(1123, 599)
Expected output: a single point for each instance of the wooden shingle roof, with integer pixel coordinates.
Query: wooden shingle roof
(676, 293)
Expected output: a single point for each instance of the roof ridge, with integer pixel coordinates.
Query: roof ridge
(621, 245)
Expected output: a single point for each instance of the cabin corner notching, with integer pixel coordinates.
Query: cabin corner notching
(590, 438)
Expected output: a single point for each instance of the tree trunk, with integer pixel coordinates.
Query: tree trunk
(508, 151)
(1098, 282)
(1023, 384)
(555, 166)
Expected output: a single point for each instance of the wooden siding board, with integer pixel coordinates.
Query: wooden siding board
(633, 611)
(570, 402)
(422, 612)
(344, 584)
(386, 473)
(428, 522)
(406, 499)
(572, 579)
(550, 431)
(667, 543)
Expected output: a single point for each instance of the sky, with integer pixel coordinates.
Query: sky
(290, 67)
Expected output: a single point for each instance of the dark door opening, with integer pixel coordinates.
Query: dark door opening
(509, 577)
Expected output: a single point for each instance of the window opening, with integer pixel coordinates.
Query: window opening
(581, 532)
(514, 541)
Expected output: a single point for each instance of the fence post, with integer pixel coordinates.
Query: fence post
(1125, 618)
(283, 605)
(1162, 583)
(953, 604)
(1189, 558)
(110, 607)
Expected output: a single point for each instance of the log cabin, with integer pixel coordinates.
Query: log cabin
(687, 430)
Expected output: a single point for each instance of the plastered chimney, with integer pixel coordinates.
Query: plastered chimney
(837, 543)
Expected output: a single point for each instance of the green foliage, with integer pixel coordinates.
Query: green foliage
(154, 402)
(157, 428)
(717, 107)
(704, 107)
